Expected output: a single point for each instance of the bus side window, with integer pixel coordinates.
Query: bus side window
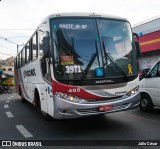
(28, 52)
(19, 60)
(41, 35)
(31, 50)
(34, 47)
(23, 57)
(44, 54)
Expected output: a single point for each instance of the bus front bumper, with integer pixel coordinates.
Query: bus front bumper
(64, 109)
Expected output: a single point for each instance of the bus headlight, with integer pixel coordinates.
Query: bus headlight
(69, 97)
(133, 91)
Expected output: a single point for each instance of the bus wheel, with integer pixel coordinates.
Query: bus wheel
(146, 104)
(22, 98)
(45, 116)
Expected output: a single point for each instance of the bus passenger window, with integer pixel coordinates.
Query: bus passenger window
(28, 52)
(23, 57)
(19, 60)
(34, 47)
(44, 54)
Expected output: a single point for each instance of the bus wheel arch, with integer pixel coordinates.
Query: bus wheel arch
(22, 98)
(146, 103)
(20, 91)
(38, 105)
(37, 98)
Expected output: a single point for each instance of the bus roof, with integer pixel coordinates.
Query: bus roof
(73, 14)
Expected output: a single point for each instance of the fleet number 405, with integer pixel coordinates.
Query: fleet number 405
(74, 90)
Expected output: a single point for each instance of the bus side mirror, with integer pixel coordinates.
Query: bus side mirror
(138, 49)
(45, 44)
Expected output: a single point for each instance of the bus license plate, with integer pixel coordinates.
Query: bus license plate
(105, 108)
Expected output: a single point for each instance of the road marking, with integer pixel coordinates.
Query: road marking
(15, 94)
(9, 98)
(24, 131)
(7, 101)
(142, 118)
(12, 96)
(6, 106)
(9, 114)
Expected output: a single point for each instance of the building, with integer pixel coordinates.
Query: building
(7, 71)
(8, 64)
(149, 34)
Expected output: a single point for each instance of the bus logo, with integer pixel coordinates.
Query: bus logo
(29, 73)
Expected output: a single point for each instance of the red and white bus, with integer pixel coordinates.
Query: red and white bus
(78, 64)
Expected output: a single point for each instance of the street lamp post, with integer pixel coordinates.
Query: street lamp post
(18, 47)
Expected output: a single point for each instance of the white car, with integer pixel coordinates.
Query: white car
(150, 88)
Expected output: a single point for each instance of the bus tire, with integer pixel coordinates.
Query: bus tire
(22, 98)
(146, 104)
(44, 115)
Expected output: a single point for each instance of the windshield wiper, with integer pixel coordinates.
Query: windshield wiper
(114, 62)
(88, 67)
(97, 53)
(90, 63)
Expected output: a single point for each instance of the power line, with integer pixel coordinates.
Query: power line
(19, 37)
(6, 39)
(7, 54)
(6, 48)
(11, 42)
(16, 29)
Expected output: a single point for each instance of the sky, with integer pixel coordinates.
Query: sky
(20, 18)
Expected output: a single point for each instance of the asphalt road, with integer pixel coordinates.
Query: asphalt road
(19, 121)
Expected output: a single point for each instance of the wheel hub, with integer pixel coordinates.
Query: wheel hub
(144, 102)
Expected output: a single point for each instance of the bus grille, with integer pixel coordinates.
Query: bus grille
(102, 99)
(96, 110)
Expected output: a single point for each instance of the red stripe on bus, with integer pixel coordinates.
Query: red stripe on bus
(73, 90)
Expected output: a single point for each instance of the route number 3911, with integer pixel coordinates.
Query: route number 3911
(73, 69)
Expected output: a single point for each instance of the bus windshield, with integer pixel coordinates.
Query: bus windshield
(89, 48)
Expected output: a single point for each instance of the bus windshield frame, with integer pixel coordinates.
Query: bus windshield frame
(80, 45)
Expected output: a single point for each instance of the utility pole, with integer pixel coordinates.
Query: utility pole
(18, 47)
